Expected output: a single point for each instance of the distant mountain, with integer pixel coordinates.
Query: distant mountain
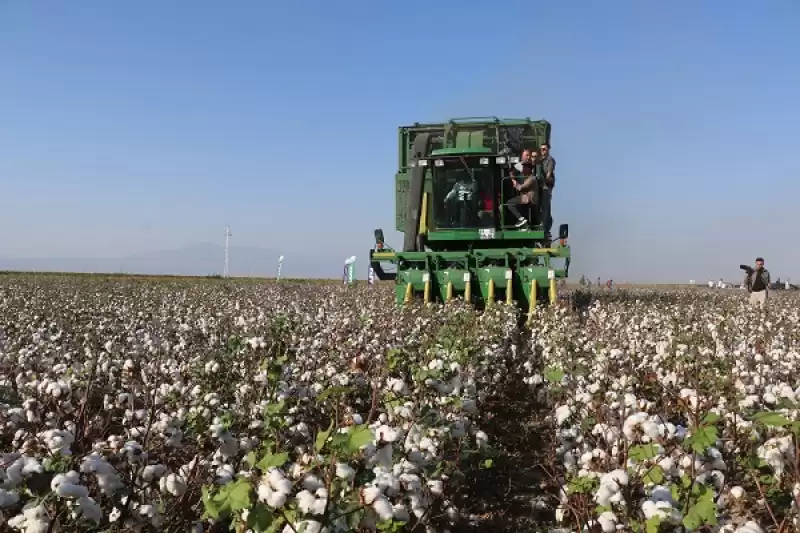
(200, 259)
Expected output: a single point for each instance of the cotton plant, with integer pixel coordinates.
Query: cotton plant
(678, 406)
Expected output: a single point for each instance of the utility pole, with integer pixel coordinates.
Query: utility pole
(227, 246)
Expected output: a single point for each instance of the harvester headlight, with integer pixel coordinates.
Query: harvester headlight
(513, 160)
(484, 160)
(439, 162)
(423, 162)
(501, 160)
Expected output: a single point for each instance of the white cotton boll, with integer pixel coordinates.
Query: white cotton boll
(344, 471)
(608, 522)
(563, 413)
(481, 438)
(750, 527)
(8, 499)
(401, 513)
(650, 429)
(152, 472)
(387, 434)
(603, 495)
(737, 492)
(312, 483)
(173, 484)
(305, 501)
(90, 509)
(369, 494)
(273, 498)
(436, 486)
(306, 526)
(68, 490)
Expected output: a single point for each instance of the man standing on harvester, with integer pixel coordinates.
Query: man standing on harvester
(548, 183)
(527, 189)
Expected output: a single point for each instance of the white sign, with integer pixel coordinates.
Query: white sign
(551, 274)
(486, 233)
(426, 277)
(466, 277)
(509, 274)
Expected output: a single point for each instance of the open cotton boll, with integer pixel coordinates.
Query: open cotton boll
(90, 509)
(369, 494)
(607, 521)
(344, 471)
(33, 519)
(750, 527)
(383, 508)
(8, 499)
(563, 413)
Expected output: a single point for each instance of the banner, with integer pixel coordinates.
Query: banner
(280, 264)
(371, 275)
(349, 270)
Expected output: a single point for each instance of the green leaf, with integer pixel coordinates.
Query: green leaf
(322, 438)
(211, 507)
(711, 418)
(272, 460)
(333, 391)
(703, 512)
(675, 492)
(655, 475)
(652, 524)
(239, 495)
(354, 518)
(643, 452)
(488, 463)
(259, 518)
(356, 438)
(250, 459)
(553, 374)
(771, 419)
(702, 438)
(273, 408)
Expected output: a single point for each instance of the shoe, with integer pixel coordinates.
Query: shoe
(521, 222)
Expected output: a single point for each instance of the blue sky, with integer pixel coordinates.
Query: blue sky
(128, 127)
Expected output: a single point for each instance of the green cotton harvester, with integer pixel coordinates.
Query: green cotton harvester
(460, 240)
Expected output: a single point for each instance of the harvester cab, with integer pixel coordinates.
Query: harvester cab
(452, 188)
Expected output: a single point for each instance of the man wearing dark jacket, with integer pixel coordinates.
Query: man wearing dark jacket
(548, 182)
(757, 283)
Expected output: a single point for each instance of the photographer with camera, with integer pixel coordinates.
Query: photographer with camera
(757, 282)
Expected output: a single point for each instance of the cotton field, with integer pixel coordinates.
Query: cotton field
(209, 405)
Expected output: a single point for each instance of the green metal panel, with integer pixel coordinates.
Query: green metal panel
(475, 235)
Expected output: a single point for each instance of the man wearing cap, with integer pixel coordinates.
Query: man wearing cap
(757, 283)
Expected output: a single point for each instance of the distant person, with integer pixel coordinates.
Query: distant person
(757, 283)
(527, 189)
(548, 184)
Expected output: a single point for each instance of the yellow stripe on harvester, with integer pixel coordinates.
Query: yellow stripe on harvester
(383, 255)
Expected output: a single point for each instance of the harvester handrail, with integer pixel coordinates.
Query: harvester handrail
(474, 119)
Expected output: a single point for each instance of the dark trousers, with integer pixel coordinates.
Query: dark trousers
(546, 215)
(512, 206)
